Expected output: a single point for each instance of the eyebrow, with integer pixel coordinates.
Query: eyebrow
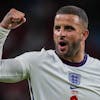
(65, 27)
(57, 26)
(69, 27)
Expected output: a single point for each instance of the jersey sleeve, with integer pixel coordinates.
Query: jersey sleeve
(3, 36)
(11, 70)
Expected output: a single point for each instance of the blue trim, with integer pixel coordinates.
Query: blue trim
(73, 64)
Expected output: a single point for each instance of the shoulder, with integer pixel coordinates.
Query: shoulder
(36, 55)
(93, 60)
(36, 59)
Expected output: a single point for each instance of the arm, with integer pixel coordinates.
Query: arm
(3, 35)
(12, 20)
(11, 70)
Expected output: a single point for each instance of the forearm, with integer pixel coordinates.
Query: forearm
(3, 36)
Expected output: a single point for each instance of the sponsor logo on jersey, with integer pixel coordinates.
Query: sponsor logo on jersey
(72, 87)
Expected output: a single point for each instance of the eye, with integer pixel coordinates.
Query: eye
(69, 28)
(57, 27)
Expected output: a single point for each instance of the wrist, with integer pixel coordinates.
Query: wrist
(5, 26)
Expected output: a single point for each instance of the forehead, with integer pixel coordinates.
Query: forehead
(67, 19)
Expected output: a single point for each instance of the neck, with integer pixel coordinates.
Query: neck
(75, 64)
(76, 59)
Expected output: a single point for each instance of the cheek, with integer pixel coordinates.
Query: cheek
(55, 34)
(55, 37)
(77, 39)
(75, 36)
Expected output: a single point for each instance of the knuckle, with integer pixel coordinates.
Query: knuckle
(12, 9)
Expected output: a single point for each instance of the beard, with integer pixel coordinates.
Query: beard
(72, 49)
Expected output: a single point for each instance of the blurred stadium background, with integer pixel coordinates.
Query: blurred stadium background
(37, 33)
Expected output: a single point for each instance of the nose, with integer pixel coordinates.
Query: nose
(62, 33)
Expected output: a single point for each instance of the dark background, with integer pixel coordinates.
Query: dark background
(37, 33)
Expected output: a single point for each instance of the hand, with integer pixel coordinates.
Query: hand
(13, 19)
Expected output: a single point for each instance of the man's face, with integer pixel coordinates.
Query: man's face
(68, 34)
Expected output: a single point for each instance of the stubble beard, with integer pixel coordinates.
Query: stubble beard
(73, 49)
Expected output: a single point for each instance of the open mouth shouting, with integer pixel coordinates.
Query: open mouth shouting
(62, 45)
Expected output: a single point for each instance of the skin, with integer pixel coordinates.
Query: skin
(13, 19)
(68, 29)
(69, 37)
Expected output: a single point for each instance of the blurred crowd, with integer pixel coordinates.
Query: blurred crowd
(37, 32)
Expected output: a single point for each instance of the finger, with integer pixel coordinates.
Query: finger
(18, 20)
(16, 15)
(14, 11)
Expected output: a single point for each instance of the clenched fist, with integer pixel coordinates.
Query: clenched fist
(13, 19)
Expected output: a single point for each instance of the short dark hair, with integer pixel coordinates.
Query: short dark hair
(75, 11)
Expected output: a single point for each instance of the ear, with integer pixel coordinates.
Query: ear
(85, 34)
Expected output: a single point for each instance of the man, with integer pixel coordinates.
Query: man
(66, 73)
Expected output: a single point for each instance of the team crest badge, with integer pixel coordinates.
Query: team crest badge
(74, 78)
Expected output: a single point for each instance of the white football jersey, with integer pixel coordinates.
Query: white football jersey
(51, 78)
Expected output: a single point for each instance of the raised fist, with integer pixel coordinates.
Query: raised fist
(13, 19)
